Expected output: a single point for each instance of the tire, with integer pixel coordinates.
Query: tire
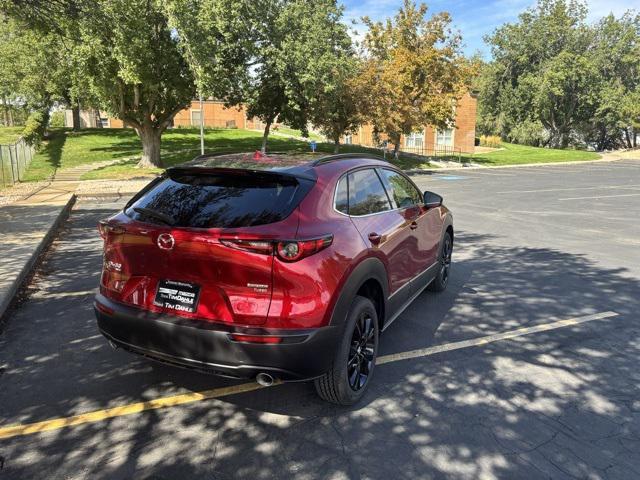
(442, 278)
(350, 374)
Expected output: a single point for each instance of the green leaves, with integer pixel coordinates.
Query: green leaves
(553, 70)
(414, 72)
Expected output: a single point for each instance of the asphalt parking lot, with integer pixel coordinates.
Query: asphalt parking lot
(550, 255)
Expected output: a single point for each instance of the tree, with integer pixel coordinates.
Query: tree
(30, 76)
(616, 54)
(322, 60)
(557, 81)
(413, 73)
(128, 55)
(270, 55)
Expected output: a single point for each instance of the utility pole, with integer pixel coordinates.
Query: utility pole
(201, 125)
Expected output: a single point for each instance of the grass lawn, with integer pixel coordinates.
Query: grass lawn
(66, 149)
(297, 133)
(9, 135)
(512, 154)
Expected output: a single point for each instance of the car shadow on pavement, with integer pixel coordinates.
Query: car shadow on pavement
(561, 404)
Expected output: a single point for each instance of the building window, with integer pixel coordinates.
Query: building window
(104, 122)
(195, 118)
(444, 138)
(348, 140)
(414, 140)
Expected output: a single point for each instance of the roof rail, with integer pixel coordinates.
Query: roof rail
(346, 156)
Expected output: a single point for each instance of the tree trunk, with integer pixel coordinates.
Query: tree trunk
(10, 112)
(4, 111)
(150, 138)
(628, 138)
(265, 136)
(635, 137)
(396, 146)
(75, 114)
(336, 145)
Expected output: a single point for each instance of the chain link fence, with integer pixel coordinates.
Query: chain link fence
(14, 161)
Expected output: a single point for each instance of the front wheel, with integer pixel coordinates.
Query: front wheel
(350, 375)
(442, 278)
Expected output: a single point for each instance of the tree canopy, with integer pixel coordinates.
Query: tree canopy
(413, 73)
(556, 81)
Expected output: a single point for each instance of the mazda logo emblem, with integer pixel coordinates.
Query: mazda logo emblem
(166, 241)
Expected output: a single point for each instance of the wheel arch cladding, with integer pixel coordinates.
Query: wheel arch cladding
(368, 279)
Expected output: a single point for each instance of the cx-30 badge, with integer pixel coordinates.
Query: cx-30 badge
(166, 241)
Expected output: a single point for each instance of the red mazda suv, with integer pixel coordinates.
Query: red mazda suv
(271, 268)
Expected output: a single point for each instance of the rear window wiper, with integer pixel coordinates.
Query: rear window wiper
(164, 218)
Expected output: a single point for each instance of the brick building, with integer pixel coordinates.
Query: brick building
(459, 138)
(216, 115)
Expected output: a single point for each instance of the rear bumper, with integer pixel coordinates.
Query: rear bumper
(204, 346)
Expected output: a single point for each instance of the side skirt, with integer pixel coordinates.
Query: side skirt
(424, 278)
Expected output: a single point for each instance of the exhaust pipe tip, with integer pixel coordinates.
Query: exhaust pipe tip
(264, 379)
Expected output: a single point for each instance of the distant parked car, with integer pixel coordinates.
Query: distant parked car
(272, 269)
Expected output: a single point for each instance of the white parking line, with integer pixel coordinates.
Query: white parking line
(474, 342)
(600, 187)
(600, 196)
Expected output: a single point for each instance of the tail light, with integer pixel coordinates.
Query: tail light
(291, 251)
(286, 250)
(255, 246)
(105, 228)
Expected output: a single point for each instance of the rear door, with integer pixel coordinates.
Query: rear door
(382, 227)
(200, 245)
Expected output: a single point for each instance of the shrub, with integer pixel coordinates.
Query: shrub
(490, 141)
(35, 128)
(57, 119)
(529, 132)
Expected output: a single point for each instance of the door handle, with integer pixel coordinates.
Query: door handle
(413, 225)
(375, 238)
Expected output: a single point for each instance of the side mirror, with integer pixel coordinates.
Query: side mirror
(432, 200)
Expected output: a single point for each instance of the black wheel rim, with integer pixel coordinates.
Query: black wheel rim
(361, 352)
(445, 260)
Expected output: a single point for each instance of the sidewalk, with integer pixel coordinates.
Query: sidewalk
(27, 227)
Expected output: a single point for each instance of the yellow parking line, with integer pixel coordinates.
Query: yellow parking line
(474, 342)
(99, 415)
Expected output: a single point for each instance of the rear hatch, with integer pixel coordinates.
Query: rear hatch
(198, 243)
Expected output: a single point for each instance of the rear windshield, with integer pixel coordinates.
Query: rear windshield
(219, 201)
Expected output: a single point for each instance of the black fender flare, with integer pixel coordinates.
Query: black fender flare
(367, 269)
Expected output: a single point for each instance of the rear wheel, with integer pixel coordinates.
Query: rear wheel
(442, 278)
(349, 377)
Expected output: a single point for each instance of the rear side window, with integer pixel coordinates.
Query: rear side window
(342, 196)
(219, 201)
(366, 193)
(402, 190)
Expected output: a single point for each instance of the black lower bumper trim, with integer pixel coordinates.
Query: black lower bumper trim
(207, 347)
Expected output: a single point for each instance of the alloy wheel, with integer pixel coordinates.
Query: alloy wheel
(361, 352)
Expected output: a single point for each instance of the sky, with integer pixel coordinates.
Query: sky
(477, 18)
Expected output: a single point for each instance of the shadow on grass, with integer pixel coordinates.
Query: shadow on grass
(52, 151)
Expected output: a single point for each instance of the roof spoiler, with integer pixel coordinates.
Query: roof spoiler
(306, 174)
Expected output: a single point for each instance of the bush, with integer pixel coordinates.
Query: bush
(57, 119)
(529, 132)
(490, 141)
(35, 127)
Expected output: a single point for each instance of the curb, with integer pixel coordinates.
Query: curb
(520, 165)
(106, 195)
(30, 265)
